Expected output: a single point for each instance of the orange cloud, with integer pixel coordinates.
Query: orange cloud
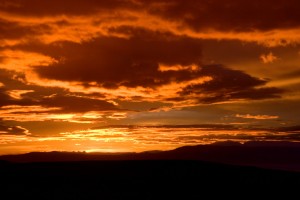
(117, 116)
(25, 113)
(32, 22)
(164, 68)
(40, 113)
(259, 117)
(17, 94)
(20, 61)
(268, 58)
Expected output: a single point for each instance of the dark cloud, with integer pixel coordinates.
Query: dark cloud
(66, 103)
(229, 14)
(15, 30)
(112, 62)
(226, 15)
(50, 97)
(289, 128)
(12, 130)
(242, 137)
(57, 7)
(229, 84)
(294, 74)
(5, 99)
(9, 30)
(76, 104)
(10, 79)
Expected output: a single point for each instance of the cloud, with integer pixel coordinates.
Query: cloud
(289, 129)
(148, 66)
(73, 104)
(291, 75)
(5, 99)
(13, 130)
(49, 22)
(227, 85)
(230, 15)
(164, 68)
(20, 61)
(68, 7)
(152, 64)
(136, 64)
(37, 103)
(57, 114)
(233, 19)
(59, 108)
(152, 137)
(143, 138)
(259, 117)
(11, 31)
(241, 137)
(268, 58)
(156, 61)
(17, 94)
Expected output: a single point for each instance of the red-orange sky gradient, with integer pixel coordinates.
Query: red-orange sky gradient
(135, 75)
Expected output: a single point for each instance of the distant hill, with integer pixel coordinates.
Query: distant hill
(191, 172)
(272, 155)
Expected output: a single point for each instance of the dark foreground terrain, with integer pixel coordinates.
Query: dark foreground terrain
(154, 175)
(141, 180)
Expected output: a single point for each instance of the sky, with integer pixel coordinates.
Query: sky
(136, 75)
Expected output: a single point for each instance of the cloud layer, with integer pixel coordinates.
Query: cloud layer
(274, 23)
(13, 130)
(73, 63)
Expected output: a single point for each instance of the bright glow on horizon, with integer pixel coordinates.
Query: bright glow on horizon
(136, 139)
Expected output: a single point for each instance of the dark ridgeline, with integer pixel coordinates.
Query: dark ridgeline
(270, 155)
(185, 173)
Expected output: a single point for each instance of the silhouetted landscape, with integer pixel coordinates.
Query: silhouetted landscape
(270, 155)
(186, 172)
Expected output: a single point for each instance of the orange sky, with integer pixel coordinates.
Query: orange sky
(70, 67)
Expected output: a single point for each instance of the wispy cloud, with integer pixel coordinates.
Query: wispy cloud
(259, 117)
(143, 138)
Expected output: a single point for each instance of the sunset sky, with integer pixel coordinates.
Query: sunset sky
(135, 75)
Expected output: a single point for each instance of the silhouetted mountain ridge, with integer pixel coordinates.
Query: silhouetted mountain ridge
(273, 155)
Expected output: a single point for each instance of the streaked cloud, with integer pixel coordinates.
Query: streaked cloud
(259, 117)
(143, 138)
